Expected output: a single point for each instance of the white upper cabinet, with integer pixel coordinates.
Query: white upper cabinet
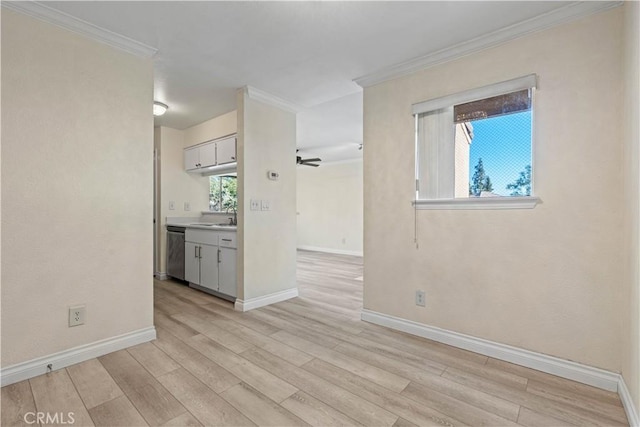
(226, 149)
(210, 154)
(191, 158)
(207, 155)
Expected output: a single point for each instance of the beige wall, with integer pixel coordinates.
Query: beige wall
(631, 338)
(266, 240)
(548, 279)
(329, 204)
(217, 127)
(77, 187)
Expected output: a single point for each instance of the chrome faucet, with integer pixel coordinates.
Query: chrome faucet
(234, 219)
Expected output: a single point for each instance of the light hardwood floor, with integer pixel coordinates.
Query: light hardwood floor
(306, 361)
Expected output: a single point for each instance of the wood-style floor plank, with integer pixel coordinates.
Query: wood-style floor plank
(54, 393)
(379, 376)
(206, 405)
(270, 385)
(210, 373)
(17, 401)
(342, 400)
(567, 413)
(393, 402)
(316, 412)
(93, 382)
(184, 420)
(149, 397)
(305, 361)
(117, 412)
(259, 408)
(153, 359)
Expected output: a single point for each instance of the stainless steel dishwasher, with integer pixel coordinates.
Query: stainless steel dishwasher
(175, 252)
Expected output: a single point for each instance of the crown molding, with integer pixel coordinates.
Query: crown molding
(52, 16)
(267, 98)
(550, 19)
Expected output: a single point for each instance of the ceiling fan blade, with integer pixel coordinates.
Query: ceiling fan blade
(315, 159)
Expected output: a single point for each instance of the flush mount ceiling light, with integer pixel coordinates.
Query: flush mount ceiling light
(159, 108)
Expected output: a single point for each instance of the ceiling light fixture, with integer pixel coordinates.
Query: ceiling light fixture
(159, 108)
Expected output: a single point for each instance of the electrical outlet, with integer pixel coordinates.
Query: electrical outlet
(255, 205)
(187, 206)
(172, 205)
(77, 315)
(420, 298)
(265, 205)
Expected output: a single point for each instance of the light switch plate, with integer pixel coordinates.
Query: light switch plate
(265, 205)
(187, 206)
(172, 205)
(255, 205)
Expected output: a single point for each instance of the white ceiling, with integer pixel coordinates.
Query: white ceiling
(307, 53)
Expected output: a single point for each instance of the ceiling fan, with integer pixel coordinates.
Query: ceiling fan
(308, 162)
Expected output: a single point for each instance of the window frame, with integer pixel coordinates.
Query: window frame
(220, 191)
(501, 88)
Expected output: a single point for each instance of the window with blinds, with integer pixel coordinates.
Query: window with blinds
(476, 144)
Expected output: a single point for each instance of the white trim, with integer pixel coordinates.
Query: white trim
(53, 16)
(342, 162)
(330, 250)
(33, 368)
(250, 304)
(161, 275)
(553, 365)
(627, 402)
(488, 91)
(217, 170)
(550, 19)
(267, 98)
(528, 202)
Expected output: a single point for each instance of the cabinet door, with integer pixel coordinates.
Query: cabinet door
(227, 274)
(191, 158)
(191, 263)
(226, 150)
(209, 267)
(207, 155)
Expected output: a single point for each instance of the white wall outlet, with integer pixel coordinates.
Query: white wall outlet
(255, 205)
(172, 205)
(265, 205)
(187, 206)
(420, 298)
(77, 315)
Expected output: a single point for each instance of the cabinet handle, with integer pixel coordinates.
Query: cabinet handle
(219, 256)
(226, 240)
(233, 158)
(200, 252)
(195, 251)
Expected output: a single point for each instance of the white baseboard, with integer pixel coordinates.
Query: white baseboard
(330, 250)
(161, 275)
(627, 402)
(552, 365)
(33, 368)
(250, 304)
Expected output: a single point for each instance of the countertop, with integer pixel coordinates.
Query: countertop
(202, 225)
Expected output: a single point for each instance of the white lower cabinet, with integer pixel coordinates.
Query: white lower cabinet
(208, 264)
(227, 271)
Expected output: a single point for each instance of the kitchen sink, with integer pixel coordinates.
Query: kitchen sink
(208, 224)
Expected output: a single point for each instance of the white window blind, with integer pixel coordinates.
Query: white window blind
(520, 83)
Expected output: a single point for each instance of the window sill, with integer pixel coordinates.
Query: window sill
(528, 202)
